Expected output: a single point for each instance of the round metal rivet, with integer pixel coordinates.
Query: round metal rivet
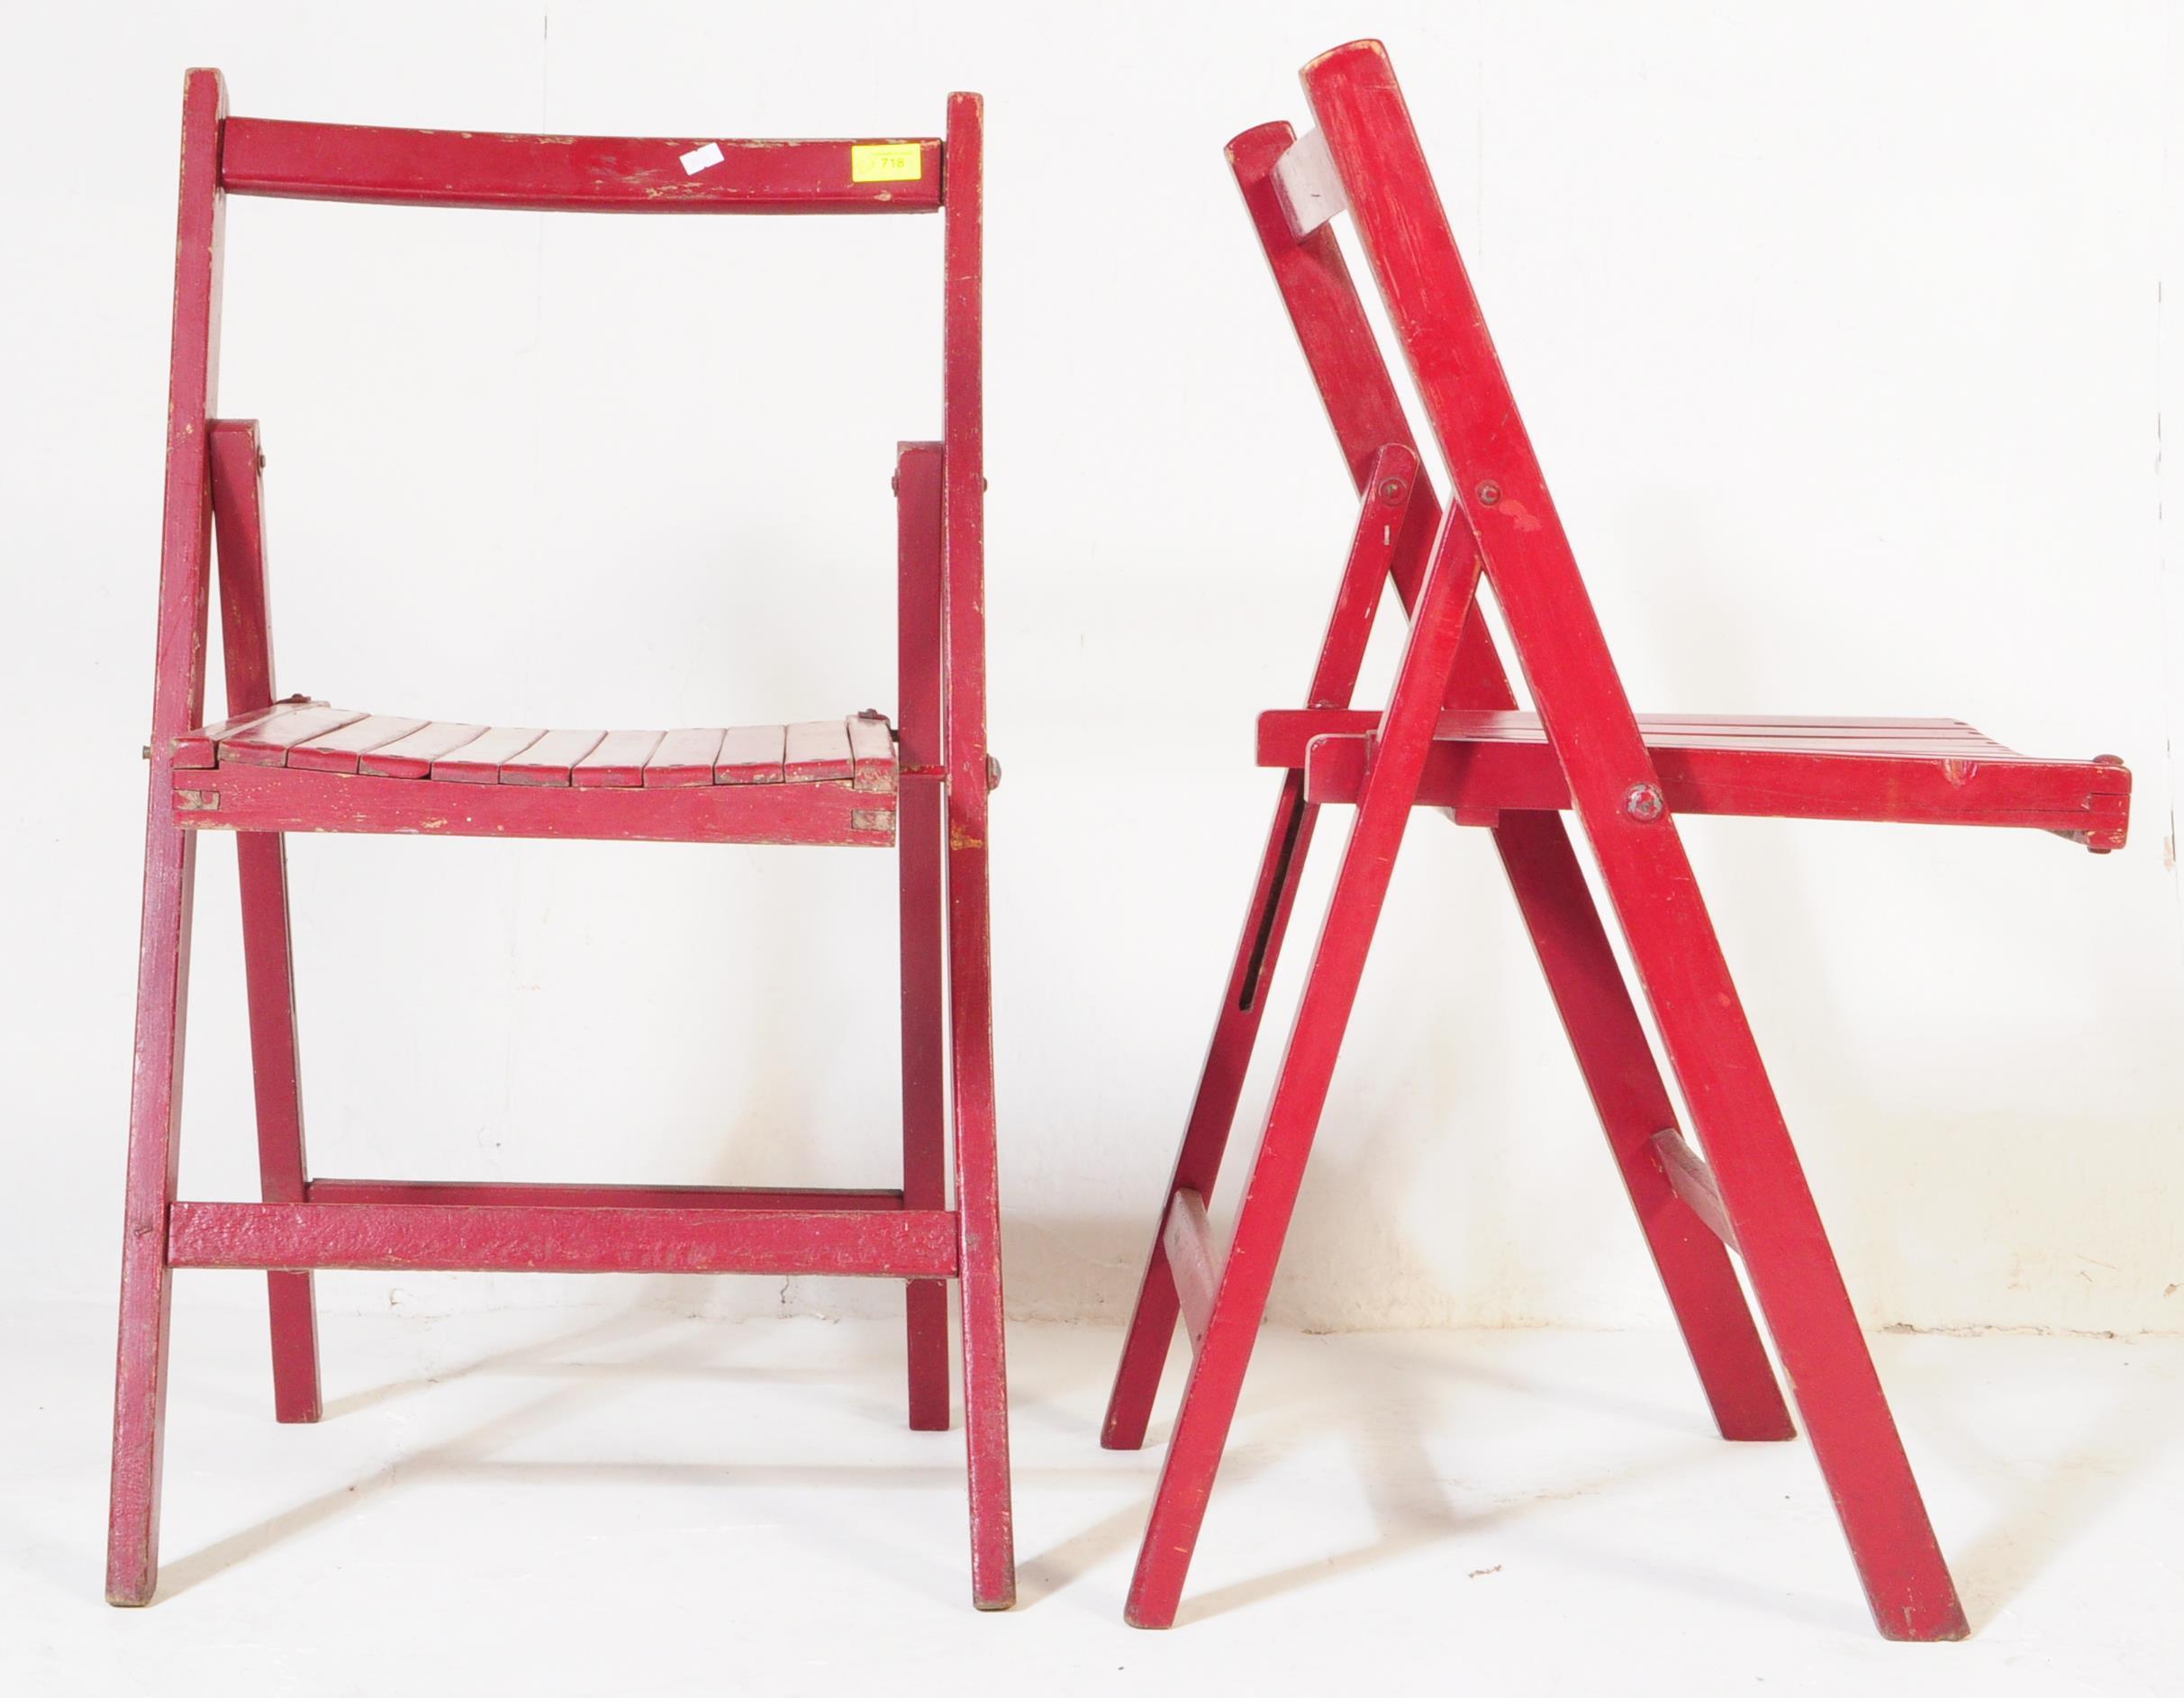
(1643, 802)
(1490, 493)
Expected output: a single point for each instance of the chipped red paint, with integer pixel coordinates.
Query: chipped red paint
(301, 764)
(1488, 765)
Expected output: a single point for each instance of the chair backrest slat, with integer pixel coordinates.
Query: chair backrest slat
(627, 174)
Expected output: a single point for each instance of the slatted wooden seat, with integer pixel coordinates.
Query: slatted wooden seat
(272, 767)
(1485, 762)
(304, 766)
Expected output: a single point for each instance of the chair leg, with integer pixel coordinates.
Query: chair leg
(1224, 1351)
(985, 1383)
(1597, 1012)
(1648, 878)
(262, 862)
(1198, 1163)
(1393, 527)
(924, 1084)
(920, 805)
(239, 520)
(1301, 1089)
(140, 1393)
(1800, 1293)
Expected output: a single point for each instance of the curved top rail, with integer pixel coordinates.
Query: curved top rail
(630, 174)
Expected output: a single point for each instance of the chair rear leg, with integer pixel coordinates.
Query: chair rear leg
(155, 1104)
(1198, 1163)
(1216, 1380)
(1301, 1089)
(920, 805)
(1824, 1353)
(262, 863)
(1394, 529)
(924, 1084)
(238, 523)
(1619, 1069)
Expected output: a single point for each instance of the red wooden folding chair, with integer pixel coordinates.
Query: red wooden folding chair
(1450, 738)
(296, 765)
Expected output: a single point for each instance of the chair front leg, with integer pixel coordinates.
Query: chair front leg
(155, 1107)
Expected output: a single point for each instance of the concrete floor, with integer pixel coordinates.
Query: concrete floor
(631, 1501)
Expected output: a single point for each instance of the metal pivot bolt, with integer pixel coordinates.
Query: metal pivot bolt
(992, 773)
(1392, 491)
(1643, 802)
(1490, 492)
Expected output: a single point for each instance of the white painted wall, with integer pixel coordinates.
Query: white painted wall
(1840, 328)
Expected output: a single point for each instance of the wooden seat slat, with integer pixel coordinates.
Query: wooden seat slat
(340, 750)
(617, 763)
(816, 751)
(267, 742)
(871, 747)
(412, 756)
(478, 761)
(750, 755)
(548, 761)
(201, 748)
(684, 757)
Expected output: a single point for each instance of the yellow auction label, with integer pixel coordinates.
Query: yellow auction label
(880, 162)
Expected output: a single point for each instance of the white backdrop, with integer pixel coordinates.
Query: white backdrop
(1841, 331)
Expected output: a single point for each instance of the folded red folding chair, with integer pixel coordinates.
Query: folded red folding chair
(1451, 738)
(295, 764)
